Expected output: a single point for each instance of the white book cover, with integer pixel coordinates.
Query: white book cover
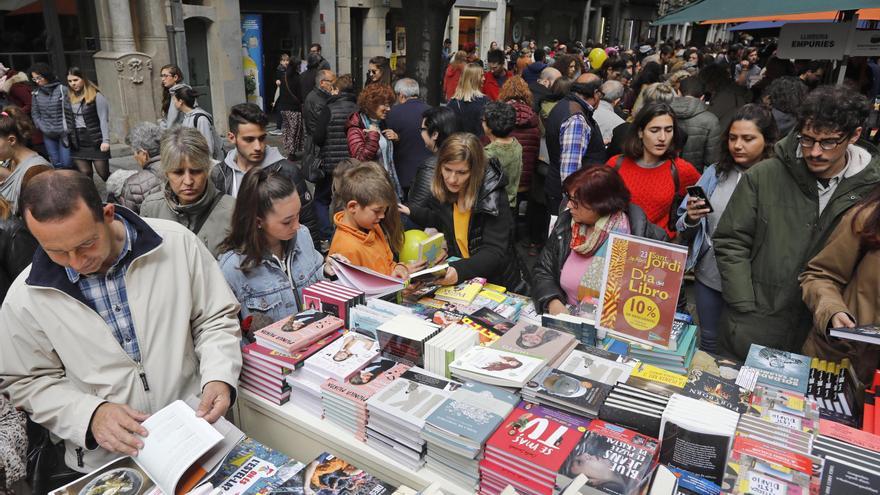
(586, 365)
(413, 396)
(344, 356)
(496, 367)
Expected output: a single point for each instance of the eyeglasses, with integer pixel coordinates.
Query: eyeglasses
(826, 144)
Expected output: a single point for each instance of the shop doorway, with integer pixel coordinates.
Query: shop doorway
(282, 33)
(469, 27)
(197, 60)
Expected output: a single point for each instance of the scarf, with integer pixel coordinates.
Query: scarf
(385, 155)
(591, 242)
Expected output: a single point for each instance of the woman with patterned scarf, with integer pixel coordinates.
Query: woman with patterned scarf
(13, 447)
(569, 270)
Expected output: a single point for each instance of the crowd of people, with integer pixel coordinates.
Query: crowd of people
(769, 177)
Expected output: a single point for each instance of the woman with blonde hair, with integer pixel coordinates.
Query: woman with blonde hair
(88, 123)
(468, 204)
(453, 73)
(468, 100)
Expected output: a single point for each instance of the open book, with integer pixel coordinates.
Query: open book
(371, 282)
(180, 452)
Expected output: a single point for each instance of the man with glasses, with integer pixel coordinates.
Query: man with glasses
(496, 75)
(780, 216)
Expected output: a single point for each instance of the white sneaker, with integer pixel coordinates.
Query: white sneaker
(276, 132)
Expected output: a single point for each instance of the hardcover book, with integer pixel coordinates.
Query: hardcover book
(781, 369)
(298, 331)
(642, 280)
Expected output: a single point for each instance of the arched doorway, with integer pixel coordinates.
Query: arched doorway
(197, 54)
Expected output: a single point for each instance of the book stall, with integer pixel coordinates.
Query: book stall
(467, 389)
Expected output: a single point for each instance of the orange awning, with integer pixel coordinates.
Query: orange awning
(864, 15)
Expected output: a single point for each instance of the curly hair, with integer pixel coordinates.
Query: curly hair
(515, 88)
(833, 109)
(374, 95)
(500, 118)
(786, 94)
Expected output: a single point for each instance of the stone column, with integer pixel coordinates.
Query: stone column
(329, 37)
(343, 40)
(123, 35)
(585, 22)
(374, 33)
(454, 18)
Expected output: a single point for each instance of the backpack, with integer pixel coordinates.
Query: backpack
(217, 153)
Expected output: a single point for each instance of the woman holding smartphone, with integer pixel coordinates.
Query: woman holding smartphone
(750, 138)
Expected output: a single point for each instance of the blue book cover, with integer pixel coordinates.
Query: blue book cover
(473, 411)
(780, 369)
(250, 466)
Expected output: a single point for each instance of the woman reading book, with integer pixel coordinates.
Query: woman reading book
(469, 206)
(268, 256)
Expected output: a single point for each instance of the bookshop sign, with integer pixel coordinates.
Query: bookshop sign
(814, 40)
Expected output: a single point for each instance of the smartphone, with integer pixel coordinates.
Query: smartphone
(699, 193)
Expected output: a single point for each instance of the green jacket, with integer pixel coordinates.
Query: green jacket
(769, 231)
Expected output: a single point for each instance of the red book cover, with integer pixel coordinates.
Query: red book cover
(513, 477)
(293, 360)
(849, 435)
(317, 298)
(367, 382)
(298, 331)
(773, 454)
(868, 417)
(640, 289)
(539, 436)
(258, 364)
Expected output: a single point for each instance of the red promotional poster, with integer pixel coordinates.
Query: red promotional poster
(536, 436)
(642, 280)
(297, 331)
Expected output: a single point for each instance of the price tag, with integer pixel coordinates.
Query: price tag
(747, 378)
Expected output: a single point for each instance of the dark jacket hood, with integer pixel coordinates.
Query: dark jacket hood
(686, 107)
(49, 88)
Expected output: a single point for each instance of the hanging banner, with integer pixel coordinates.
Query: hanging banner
(864, 44)
(252, 56)
(813, 40)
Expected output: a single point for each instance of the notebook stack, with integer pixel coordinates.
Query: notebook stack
(529, 449)
(495, 367)
(340, 360)
(264, 370)
(403, 338)
(456, 432)
(345, 403)
(397, 415)
(332, 298)
(446, 346)
(294, 335)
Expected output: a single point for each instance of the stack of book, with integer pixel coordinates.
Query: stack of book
(537, 341)
(529, 450)
(780, 369)
(566, 391)
(366, 318)
(696, 436)
(264, 370)
(705, 386)
(498, 300)
(345, 403)
(833, 386)
(339, 360)
(851, 459)
(285, 338)
(332, 298)
(495, 367)
(678, 358)
(463, 293)
(403, 338)
(635, 409)
(657, 380)
(444, 348)
(583, 328)
(784, 408)
(754, 466)
(397, 415)
(616, 460)
(456, 432)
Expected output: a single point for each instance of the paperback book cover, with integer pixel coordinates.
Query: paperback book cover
(615, 460)
(573, 393)
(865, 333)
(640, 289)
(293, 360)
(781, 369)
(331, 475)
(496, 367)
(594, 367)
(710, 388)
(366, 382)
(473, 412)
(430, 249)
(345, 356)
(492, 320)
(536, 341)
(841, 476)
(462, 293)
(298, 331)
(412, 397)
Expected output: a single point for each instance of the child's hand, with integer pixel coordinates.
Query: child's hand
(403, 209)
(451, 277)
(328, 267)
(400, 271)
(414, 266)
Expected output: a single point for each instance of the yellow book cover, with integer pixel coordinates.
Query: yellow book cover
(496, 288)
(655, 374)
(492, 295)
(463, 293)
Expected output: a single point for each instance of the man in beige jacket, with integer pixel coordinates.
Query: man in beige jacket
(116, 317)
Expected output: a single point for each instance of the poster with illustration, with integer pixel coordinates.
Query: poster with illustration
(252, 56)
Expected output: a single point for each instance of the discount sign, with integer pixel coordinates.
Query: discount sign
(640, 289)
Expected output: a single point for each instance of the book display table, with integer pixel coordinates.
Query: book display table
(299, 434)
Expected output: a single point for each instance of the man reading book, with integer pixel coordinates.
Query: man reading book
(116, 317)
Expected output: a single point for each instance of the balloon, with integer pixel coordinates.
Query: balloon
(411, 240)
(597, 58)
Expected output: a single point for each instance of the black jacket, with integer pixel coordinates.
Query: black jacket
(409, 151)
(420, 189)
(558, 246)
(330, 132)
(17, 247)
(470, 114)
(490, 234)
(539, 94)
(315, 102)
(290, 98)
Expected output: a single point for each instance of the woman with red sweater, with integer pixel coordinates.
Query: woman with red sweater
(650, 165)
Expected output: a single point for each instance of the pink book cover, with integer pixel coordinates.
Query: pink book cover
(372, 283)
(366, 382)
(846, 434)
(298, 331)
(293, 360)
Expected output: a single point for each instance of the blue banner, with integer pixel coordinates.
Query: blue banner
(252, 56)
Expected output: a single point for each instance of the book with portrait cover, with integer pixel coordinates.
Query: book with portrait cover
(567, 391)
(331, 475)
(536, 341)
(362, 385)
(298, 331)
(615, 460)
(293, 360)
(781, 369)
(642, 280)
(496, 367)
(344, 357)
